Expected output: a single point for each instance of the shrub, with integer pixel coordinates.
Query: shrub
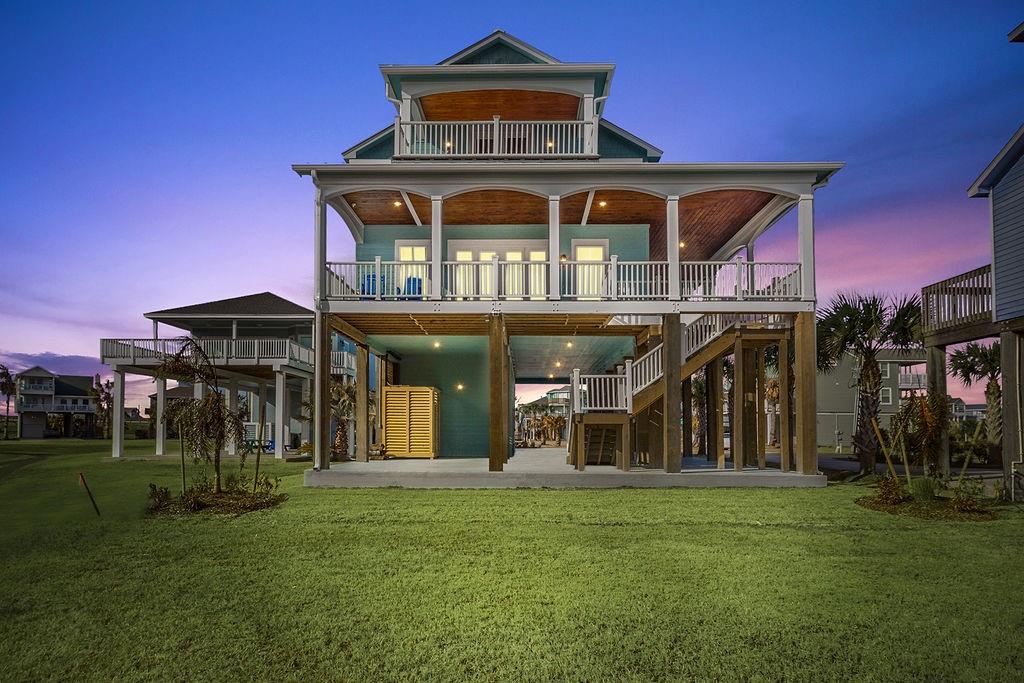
(159, 497)
(925, 489)
(967, 495)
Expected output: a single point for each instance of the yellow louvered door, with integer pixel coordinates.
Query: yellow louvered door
(411, 421)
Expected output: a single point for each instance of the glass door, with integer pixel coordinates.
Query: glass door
(590, 270)
(412, 273)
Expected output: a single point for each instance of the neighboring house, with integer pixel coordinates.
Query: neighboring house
(558, 400)
(53, 405)
(988, 301)
(261, 347)
(838, 394)
(506, 230)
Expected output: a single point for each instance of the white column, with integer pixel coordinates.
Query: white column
(672, 244)
(319, 250)
(117, 414)
(590, 142)
(234, 329)
(198, 390)
(435, 247)
(321, 374)
(750, 252)
(156, 330)
(260, 410)
(281, 420)
(805, 231)
(161, 405)
(233, 407)
(554, 248)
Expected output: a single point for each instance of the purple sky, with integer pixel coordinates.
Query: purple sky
(146, 148)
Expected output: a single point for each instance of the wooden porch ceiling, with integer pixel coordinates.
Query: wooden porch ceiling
(547, 324)
(513, 105)
(707, 221)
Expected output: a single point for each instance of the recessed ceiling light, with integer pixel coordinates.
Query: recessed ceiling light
(459, 387)
(558, 363)
(551, 375)
(682, 245)
(396, 204)
(602, 204)
(437, 344)
(568, 345)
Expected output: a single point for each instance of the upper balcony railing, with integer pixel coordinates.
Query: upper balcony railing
(611, 280)
(913, 381)
(495, 139)
(220, 351)
(44, 386)
(961, 300)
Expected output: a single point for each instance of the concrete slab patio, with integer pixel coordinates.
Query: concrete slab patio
(543, 468)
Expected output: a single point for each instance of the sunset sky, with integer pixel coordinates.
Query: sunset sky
(145, 148)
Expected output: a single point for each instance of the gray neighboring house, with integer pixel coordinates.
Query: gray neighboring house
(40, 393)
(837, 394)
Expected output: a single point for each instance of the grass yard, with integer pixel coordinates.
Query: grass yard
(491, 585)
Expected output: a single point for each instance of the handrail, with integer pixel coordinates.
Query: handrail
(257, 350)
(497, 138)
(959, 300)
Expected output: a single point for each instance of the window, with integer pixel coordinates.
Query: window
(885, 396)
(412, 280)
(590, 277)
(523, 271)
(884, 369)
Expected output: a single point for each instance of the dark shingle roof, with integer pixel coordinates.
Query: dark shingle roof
(262, 304)
(72, 385)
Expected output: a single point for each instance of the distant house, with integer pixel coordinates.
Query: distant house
(53, 405)
(838, 394)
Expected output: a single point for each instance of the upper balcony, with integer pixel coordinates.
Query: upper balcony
(958, 308)
(495, 139)
(35, 385)
(236, 353)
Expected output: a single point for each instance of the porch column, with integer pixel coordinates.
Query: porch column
(672, 244)
(672, 353)
(362, 380)
(805, 230)
(161, 405)
(785, 408)
(738, 418)
(198, 391)
(117, 415)
(321, 392)
(498, 446)
(936, 372)
(232, 448)
(762, 415)
(319, 250)
(1009, 361)
(281, 430)
(156, 330)
(554, 248)
(806, 400)
(436, 274)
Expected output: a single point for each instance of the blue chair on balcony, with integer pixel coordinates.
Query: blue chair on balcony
(413, 286)
(369, 286)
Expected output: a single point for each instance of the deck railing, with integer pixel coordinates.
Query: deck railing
(913, 381)
(494, 139)
(960, 300)
(219, 351)
(377, 279)
(601, 392)
(647, 369)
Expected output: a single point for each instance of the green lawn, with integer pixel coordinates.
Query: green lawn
(491, 585)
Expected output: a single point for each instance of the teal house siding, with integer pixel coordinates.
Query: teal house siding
(628, 242)
(611, 145)
(464, 414)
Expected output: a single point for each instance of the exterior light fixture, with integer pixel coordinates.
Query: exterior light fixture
(568, 345)
(602, 203)
(550, 144)
(437, 344)
(682, 245)
(459, 386)
(551, 375)
(396, 204)
(563, 258)
(558, 363)
(447, 144)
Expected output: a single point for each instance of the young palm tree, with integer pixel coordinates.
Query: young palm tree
(558, 423)
(7, 388)
(206, 424)
(862, 325)
(974, 363)
(699, 389)
(343, 406)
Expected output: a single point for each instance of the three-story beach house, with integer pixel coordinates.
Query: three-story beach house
(506, 231)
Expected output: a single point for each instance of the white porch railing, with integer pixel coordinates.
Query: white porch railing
(342, 361)
(647, 369)
(913, 381)
(54, 407)
(494, 139)
(387, 280)
(219, 351)
(960, 300)
(611, 280)
(601, 392)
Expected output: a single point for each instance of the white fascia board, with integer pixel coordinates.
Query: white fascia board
(497, 36)
(351, 151)
(651, 149)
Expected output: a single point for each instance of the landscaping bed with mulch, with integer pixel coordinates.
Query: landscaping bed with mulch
(228, 502)
(941, 508)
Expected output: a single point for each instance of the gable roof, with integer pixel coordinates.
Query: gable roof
(1017, 34)
(264, 304)
(33, 371)
(1011, 152)
(501, 46)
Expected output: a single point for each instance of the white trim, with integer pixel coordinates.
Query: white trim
(494, 37)
(885, 396)
(586, 209)
(412, 209)
(883, 370)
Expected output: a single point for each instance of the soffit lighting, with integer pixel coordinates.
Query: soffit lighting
(568, 345)
(682, 245)
(437, 344)
(396, 204)
(551, 375)
(558, 363)
(459, 387)
(602, 203)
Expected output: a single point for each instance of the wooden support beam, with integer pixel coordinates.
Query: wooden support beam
(498, 390)
(762, 416)
(672, 352)
(345, 328)
(716, 415)
(627, 446)
(363, 403)
(936, 373)
(806, 401)
(785, 408)
(687, 418)
(737, 436)
(581, 451)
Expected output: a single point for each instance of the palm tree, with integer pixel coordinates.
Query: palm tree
(557, 425)
(862, 325)
(974, 363)
(343, 406)
(698, 392)
(204, 424)
(101, 394)
(7, 388)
